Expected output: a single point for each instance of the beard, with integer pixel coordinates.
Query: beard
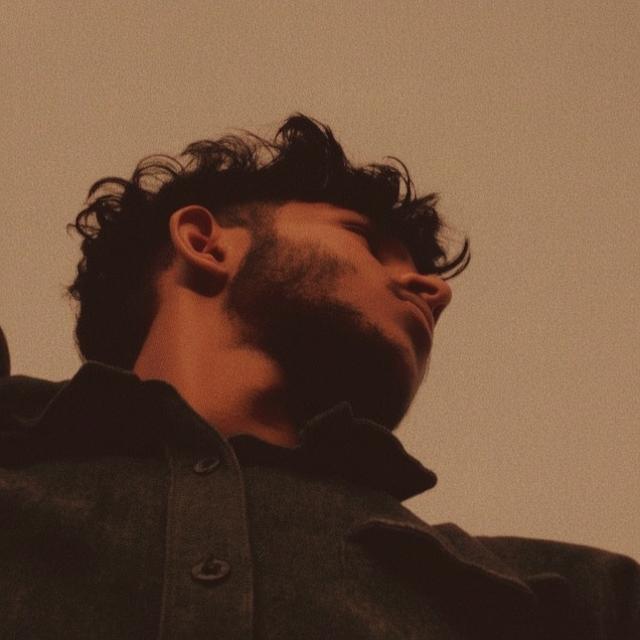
(327, 350)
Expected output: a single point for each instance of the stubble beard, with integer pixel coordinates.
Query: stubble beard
(327, 350)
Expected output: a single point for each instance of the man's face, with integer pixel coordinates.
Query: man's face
(315, 296)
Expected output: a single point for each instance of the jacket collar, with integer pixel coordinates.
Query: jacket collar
(336, 441)
(117, 404)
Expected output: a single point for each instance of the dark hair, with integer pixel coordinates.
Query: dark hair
(126, 232)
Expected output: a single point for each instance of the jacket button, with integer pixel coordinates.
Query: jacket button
(206, 465)
(210, 570)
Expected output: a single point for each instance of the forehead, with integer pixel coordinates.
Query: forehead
(308, 212)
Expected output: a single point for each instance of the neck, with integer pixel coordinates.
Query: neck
(234, 388)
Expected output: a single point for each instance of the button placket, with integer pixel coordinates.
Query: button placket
(207, 534)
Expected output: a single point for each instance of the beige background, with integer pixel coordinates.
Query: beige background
(524, 116)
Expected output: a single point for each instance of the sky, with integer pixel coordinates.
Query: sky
(522, 116)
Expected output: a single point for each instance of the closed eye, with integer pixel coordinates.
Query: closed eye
(368, 234)
(383, 247)
(363, 231)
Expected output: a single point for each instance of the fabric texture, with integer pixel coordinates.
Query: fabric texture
(125, 515)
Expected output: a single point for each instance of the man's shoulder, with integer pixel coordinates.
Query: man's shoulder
(535, 556)
(572, 560)
(23, 399)
(602, 586)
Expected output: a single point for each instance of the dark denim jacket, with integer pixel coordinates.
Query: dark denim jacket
(124, 515)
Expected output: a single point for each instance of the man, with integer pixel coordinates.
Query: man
(224, 465)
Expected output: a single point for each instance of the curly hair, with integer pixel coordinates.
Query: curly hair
(125, 226)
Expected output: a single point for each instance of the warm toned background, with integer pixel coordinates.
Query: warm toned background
(524, 116)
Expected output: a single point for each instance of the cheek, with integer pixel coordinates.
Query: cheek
(371, 295)
(378, 306)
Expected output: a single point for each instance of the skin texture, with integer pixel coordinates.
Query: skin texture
(260, 334)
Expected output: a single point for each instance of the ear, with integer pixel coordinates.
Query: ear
(203, 246)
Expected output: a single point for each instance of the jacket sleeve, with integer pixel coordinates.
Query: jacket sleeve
(605, 586)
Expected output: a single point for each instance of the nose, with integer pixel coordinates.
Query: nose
(431, 288)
